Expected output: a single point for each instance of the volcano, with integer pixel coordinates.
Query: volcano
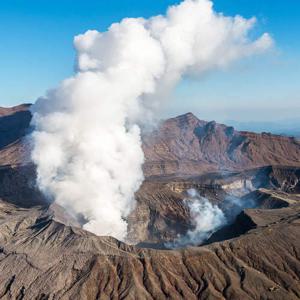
(45, 253)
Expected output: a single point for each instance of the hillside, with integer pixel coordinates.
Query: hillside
(45, 253)
(187, 145)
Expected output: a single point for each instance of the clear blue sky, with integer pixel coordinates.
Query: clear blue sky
(36, 52)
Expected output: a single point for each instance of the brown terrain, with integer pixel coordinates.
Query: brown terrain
(187, 145)
(44, 253)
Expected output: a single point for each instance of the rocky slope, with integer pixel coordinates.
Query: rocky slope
(43, 258)
(187, 145)
(44, 253)
(14, 125)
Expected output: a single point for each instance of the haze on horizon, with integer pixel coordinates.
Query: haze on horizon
(36, 54)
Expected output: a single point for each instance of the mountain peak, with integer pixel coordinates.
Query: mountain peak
(187, 116)
(188, 119)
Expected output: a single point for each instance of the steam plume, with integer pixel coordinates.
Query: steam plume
(206, 219)
(87, 144)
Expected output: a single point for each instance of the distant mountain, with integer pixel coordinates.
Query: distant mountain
(187, 145)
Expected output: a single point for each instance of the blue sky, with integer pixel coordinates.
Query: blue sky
(36, 53)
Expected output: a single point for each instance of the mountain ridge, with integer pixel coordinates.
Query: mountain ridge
(185, 144)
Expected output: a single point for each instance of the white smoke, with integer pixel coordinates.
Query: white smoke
(233, 206)
(87, 144)
(206, 219)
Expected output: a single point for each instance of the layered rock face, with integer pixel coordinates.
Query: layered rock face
(45, 254)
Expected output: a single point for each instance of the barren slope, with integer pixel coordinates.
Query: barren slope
(44, 254)
(187, 145)
(41, 258)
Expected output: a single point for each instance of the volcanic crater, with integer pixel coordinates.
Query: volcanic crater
(255, 254)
